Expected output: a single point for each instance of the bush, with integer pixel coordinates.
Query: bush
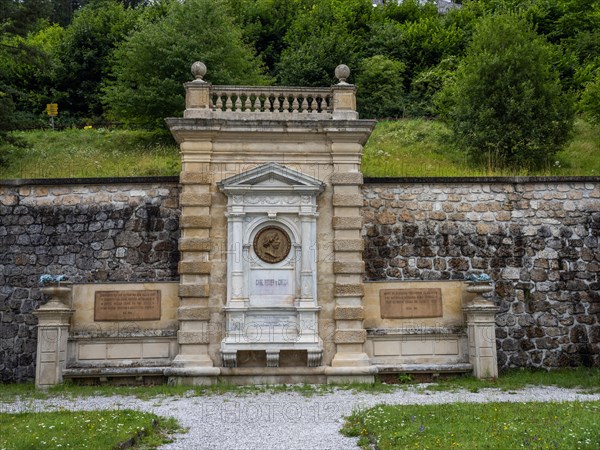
(380, 87)
(590, 100)
(505, 105)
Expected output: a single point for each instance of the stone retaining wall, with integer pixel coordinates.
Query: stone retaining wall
(90, 230)
(538, 239)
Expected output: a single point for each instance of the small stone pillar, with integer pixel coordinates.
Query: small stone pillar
(53, 332)
(344, 95)
(481, 332)
(197, 91)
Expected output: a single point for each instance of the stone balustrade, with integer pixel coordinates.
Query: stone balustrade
(203, 100)
(271, 99)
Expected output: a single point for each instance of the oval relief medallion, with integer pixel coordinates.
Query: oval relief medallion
(272, 244)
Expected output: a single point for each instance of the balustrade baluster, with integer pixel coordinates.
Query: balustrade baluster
(276, 103)
(295, 103)
(219, 104)
(238, 103)
(257, 105)
(228, 103)
(248, 104)
(286, 103)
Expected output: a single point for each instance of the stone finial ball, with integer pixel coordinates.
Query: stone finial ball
(342, 72)
(199, 70)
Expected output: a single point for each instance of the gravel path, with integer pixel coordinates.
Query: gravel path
(281, 420)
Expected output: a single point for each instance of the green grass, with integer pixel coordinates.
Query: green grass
(571, 425)
(421, 148)
(403, 148)
(84, 429)
(582, 378)
(90, 153)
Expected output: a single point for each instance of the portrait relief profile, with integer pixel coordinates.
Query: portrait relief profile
(272, 244)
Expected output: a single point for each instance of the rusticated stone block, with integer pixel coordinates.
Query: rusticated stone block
(192, 199)
(351, 267)
(192, 337)
(194, 267)
(196, 222)
(348, 290)
(350, 336)
(195, 244)
(196, 177)
(347, 223)
(347, 200)
(346, 178)
(193, 290)
(349, 313)
(193, 313)
(348, 245)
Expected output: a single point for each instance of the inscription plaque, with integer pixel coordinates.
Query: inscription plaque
(410, 303)
(118, 306)
(272, 245)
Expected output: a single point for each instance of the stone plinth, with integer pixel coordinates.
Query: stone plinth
(481, 332)
(53, 332)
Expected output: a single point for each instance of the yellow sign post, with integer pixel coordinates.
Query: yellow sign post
(52, 110)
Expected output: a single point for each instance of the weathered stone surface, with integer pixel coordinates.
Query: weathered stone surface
(194, 267)
(350, 336)
(543, 261)
(196, 222)
(348, 290)
(196, 177)
(341, 178)
(124, 232)
(192, 337)
(193, 290)
(352, 267)
(348, 245)
(191, 199)
(349, 313)
(347, 223)
(195, 244)
(193, 313)
(347, 200)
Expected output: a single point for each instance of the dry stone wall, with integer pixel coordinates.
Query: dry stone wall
(91, 231)
(537, 238)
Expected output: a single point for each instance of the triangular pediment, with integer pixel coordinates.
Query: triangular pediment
(271, 177)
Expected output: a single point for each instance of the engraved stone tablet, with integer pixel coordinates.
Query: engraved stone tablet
(272, 245)
(126, 305)
(410, 303)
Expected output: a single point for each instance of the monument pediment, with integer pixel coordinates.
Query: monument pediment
(272, 177)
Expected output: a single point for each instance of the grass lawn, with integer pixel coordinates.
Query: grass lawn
(420, 148)
(83, 429)
(403, 148)
(584, 379)
(90, 153)
(572, 425)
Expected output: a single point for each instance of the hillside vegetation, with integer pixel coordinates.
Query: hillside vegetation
(402, 148)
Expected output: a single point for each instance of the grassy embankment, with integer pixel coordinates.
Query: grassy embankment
(404, 148)
(97, 430)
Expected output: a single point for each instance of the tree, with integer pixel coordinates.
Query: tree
(380, 93)
(505, 105)
(329, 33)
(83, 55)
(590, 99)
(150, 66)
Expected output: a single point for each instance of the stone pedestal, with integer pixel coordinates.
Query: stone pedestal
(53, 332)
(481, 331)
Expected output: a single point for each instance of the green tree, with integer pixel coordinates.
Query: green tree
(329, 33)
(590, 99)
(380, 93)
(150, 66)
(505, 105)
(83, 55)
